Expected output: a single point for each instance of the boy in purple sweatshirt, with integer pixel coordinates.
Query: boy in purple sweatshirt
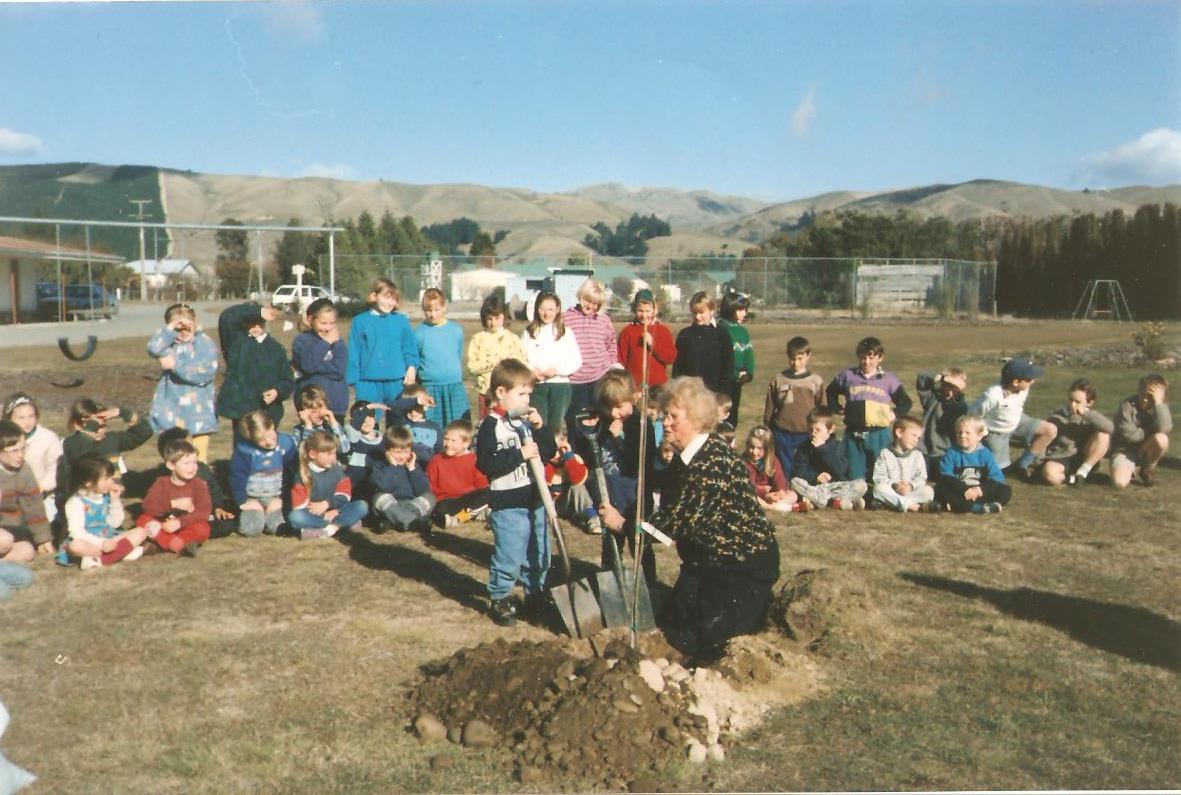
(872, 397)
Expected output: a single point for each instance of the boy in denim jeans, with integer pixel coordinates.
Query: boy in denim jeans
(873, 397)
(504, 446)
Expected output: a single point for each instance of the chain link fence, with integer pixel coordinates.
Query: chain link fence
(853, 287)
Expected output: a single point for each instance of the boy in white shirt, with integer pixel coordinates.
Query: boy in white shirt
(1002, 406)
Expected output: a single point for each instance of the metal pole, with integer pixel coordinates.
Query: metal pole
(143, 274)
(765, 266)
(89, 270)
(61, 289)
(332, 262)
(258, 255)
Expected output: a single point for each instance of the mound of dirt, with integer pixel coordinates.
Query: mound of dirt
(619, 720)
(819, 606)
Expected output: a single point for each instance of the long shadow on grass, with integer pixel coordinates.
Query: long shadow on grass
(415, 565)
(1132, 632)
(480, 553)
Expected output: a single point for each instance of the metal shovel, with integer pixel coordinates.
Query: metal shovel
(618, 588)
(575, 600)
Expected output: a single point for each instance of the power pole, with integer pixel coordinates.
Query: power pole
(143, 276)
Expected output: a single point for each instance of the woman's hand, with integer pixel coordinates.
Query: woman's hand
(612, 519)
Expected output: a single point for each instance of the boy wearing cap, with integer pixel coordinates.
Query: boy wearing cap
(646, 331)
(1002, 406)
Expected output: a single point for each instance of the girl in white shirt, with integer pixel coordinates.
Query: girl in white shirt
(43, 447)
(552, 353)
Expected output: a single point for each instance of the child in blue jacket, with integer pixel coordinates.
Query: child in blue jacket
(383, 354)
(970, 480)
(260, 473)
(403, 491)
(321, 358)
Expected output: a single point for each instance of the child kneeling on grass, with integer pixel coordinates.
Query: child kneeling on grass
(177, 507)
(322, 501)
(503, 449)
(900, 473)
(460, 488)
(402, 490)
(259, 469)
(94, 516)
(970, 481)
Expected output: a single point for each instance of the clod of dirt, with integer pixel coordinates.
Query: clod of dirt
(617, 721)
(816, 605)
(441, 761)
(429, 728)
(478, 734)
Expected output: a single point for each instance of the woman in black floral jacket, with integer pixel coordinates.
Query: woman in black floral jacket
(729, 555)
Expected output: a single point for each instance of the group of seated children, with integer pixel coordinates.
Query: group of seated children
(954, 455)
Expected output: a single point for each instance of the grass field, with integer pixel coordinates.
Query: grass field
(1036, 649)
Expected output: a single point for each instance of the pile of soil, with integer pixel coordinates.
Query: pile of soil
(830, 611)
(619, 720)
(1116, 357)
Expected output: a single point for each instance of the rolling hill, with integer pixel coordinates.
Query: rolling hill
(538, 224)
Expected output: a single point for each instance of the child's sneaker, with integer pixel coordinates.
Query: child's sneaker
(481, 513)
(63, 556)
(90, 562)
(135, 554)
(503, 612)
(190, 549)
(1148, 476)
(993, 507)
(858, 503)
(594, 526)
(450, 520)
(934, 506)
(803, 506)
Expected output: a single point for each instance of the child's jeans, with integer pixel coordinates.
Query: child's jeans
(406, 514)
(521, 551)
(786, 443)
(13, 577)
(953, 495)
(350, 513)
(862, 448)
(902, 502)
(822, 493)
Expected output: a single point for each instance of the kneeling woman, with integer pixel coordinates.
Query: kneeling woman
(729, 555)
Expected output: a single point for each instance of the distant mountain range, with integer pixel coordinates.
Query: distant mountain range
(538, 224)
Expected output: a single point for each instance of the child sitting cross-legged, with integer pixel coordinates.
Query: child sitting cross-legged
(322, 501)
(259, 468)
(428, 436)
(1083, 438)
(900, 473)
(822, 469)
(402, 491)
(24, 528)
(94, 516)
(970, 481)
(316, 415)
(460, 488)
(177, 507)
(767, 476)
(222, 522)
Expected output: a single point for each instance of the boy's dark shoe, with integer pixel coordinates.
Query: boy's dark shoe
(1148, 476)
(993, 507)
(934, 506)
(536, 606)
(503, 612)
(381, 524)
(190, 550)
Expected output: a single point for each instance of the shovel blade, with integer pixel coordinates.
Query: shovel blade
(583, 618)
(617, 597)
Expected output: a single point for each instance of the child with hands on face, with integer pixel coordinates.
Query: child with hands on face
(321, 358)
(185, 395)
(403, 497)
(1142, 427)
(258, 375)
(766, 475)
(315, 414)
(821, 467)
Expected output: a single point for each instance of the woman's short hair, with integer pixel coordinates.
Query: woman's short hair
(691, 395)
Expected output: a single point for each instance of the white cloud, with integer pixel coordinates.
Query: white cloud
(804, 114)
(328, 170)
(19, 144)
(1154, 158)
(296, 17)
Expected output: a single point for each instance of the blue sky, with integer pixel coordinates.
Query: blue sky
(775, 100)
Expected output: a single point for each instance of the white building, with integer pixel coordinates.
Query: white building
(19, 258)
(158, 274)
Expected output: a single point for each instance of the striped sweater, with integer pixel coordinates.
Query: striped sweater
(596, 343)
(896, 466)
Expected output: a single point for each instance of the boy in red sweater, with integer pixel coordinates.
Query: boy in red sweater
(460, 488)
(177, 507)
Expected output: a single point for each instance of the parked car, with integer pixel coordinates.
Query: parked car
(292, 295)
(82, 301)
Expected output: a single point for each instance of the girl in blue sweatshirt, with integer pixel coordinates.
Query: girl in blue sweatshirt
(259, 470)
(402, 490)
(382, 351)
(440, 356)
(321, 358)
